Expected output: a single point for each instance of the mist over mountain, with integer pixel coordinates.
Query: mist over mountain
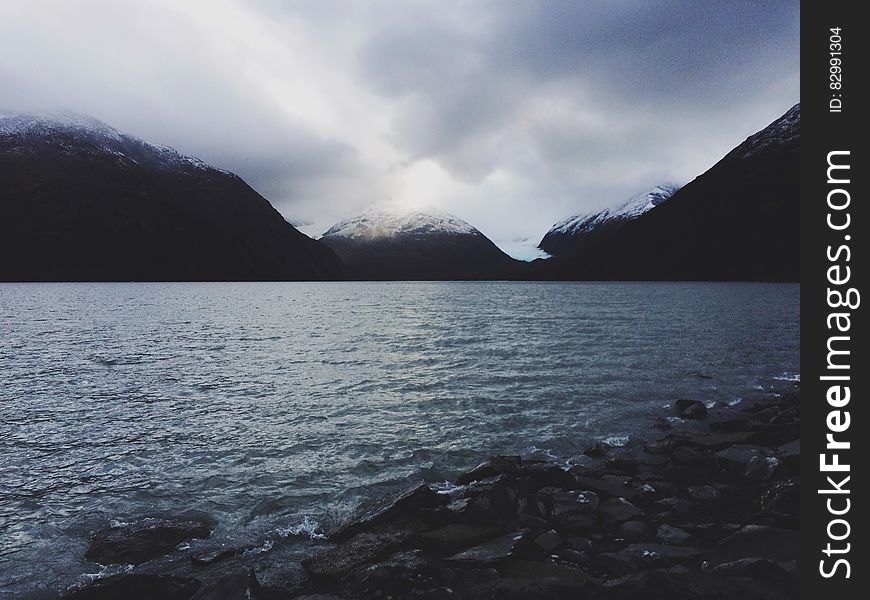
(80, 200)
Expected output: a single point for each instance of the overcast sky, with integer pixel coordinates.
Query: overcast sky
(510, 114)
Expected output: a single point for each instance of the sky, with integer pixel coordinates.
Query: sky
(510, 114)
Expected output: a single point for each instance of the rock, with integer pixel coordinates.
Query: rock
(790, 453)
(548, 541)
(718, 441)
(598, 450)
(756, 463)
(364, 548)
(532, 476)
(140, 542)
(703, 493)
(688, 456)
(606, 488)
(675, 504)
(528, 589)
(753, 568)
(755, 541)
(690, 409)
(492, 551)
(782, 497)
(454, 537)
(619, 509)
(137, 587)
(672, 535)
(242, 585)
(534, 570)
(493, 501)
(393, 508)
(492, 467)
(632, 529)
(682, 584)
(201, 560)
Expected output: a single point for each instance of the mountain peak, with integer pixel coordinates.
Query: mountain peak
(389, 221)
(783, 133)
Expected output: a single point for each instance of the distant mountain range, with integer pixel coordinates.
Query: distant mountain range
(80, 200)
(423, 244)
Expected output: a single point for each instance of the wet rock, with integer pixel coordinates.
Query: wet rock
(532, 476)
(242, 585)
(493, 467)
(492, 551)
(393, 508)
(209, 558)
(682, 584)
(753, 568)
(668, 534)
(690, 409)
(719, 441)
(548, 541)
(140, 542)
(755, 541)
(609, 488)
(454, 537)
(619, 509)
(790, 453)
(137, 587)
(675, 504)
(493, 501)
(632, 529)
(599, 450)
(756, 463)
(366, 547)
(703, 493)
(635, 557)
(528, 589)
(536, 570)
(782, 497)
(688, 456)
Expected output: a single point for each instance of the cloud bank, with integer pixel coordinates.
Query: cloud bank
(511, 116)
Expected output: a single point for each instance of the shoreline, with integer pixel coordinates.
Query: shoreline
(707, 506)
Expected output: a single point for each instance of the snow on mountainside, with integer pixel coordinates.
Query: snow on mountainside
(82, 135)
(782, 133)
(390, 222)
(631, 209)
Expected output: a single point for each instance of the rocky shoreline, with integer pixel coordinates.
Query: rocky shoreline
(707, 508)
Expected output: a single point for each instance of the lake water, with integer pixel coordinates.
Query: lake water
(274, 408)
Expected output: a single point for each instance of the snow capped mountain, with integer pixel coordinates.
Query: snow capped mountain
(389, 222)
(82, 135)
(391, 242)
(574, 233)
(82, 201)
(631, 209)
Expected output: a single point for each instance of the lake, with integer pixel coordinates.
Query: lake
(276, 409)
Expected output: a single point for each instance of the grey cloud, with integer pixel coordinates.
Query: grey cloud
(536, 109)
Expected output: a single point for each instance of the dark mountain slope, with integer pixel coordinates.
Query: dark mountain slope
(81, 201)
(738, 221)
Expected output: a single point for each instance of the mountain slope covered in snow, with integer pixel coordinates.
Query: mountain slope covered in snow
(582, 231)
(80, 200)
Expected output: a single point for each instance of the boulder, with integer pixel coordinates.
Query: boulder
(668, 534)
(391, 508)
(690, 409)
(619, 509)
(492, 467)
(757, 541)
(142, 541)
